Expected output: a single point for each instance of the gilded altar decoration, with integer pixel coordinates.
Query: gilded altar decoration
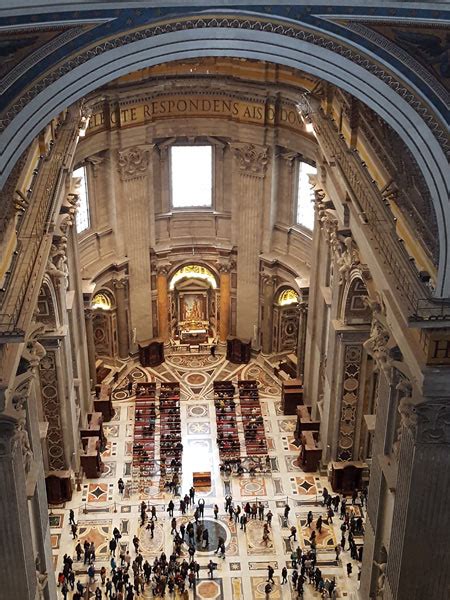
(287, 296)
(193, 272)
(101, 301)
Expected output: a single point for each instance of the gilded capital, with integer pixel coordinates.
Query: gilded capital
(133, 163)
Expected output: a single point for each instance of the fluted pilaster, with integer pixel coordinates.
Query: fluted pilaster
(269, 282)
(252, 162)
(133, 167)
(18, 571)
(122, 324)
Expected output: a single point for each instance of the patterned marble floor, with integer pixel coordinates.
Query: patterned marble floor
(242, 574)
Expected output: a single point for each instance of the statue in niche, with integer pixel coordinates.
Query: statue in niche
(377, 344)
(407, 414)
(27, 453)
(381, 580)
(42, 580)
(347, 260)
(57, 260)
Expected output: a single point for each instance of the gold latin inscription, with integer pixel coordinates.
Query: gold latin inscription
(166, 107)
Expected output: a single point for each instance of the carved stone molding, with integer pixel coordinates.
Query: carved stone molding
(96, 160)
(133, 163)
(432, 421)
(252, 160)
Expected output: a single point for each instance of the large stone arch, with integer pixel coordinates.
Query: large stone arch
(78, 76)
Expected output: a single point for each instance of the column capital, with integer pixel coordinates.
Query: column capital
(121, 283)
(163, 269)
(133, 162)
(268, 279)
(252, 159)
(226, 267)
(88, 314)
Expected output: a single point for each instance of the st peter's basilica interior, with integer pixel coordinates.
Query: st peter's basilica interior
(224, 301)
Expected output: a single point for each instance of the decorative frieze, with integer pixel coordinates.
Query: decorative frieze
(133, 163)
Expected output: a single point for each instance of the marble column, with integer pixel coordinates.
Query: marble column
(269, 282)
(88, 316)
(134, 167)
(252, 163)
(163, 302)
(301, 338)
(122, 324)
(225, 301)
(18, 571)
(418, 561)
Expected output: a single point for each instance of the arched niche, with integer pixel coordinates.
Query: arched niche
(193, 290)
(355, 309)
(103, 306)
(285, 319)
(47, 305)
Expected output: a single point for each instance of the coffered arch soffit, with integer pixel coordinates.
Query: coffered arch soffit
(309, 48)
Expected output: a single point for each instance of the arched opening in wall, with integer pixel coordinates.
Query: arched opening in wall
(193, 293)
(285, 320)
(355, 307)
(104, 322)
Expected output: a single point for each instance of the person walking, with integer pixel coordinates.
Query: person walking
(121, 485)
(74, 528)
(270, 572)
(211, 567)
(216, 511)
(112, 546)
(71, 517)
(284, 573)
(293, 533)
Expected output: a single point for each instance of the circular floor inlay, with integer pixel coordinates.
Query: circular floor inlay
(196, 379)
(121, 395)
(215, 530)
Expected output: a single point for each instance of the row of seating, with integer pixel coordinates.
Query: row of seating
(144, 429)
(252, 419)
(226, 420)
(171, 447)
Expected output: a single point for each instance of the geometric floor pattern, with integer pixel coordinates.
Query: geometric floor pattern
(241, 575)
